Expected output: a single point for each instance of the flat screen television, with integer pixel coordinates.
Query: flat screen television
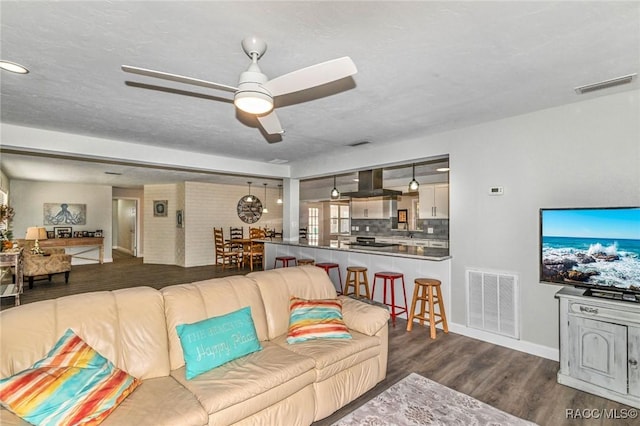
(593, 248)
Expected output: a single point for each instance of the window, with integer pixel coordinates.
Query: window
(340, 219)
(313, 230)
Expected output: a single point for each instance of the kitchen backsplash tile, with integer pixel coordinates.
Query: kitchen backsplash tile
(386, 227)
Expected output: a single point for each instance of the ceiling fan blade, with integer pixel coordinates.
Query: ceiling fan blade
(178, 78)
(315, 75)
(270, 123)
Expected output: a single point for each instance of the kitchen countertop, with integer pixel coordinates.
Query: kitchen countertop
(433, 254)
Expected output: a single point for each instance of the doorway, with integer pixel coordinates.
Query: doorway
(125, 234)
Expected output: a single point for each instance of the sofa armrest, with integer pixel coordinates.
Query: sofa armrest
(362, 317)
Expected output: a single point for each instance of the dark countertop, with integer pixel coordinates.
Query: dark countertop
(413, 252)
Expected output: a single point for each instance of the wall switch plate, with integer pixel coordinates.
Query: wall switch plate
(367, 228)
(429, 230)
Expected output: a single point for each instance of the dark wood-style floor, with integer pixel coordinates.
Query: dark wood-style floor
(518, 383)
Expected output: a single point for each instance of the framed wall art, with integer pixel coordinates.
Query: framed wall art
(402, 215)
(160, 208)
(64, 214)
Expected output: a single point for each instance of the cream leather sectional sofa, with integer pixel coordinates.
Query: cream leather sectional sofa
(283, 384)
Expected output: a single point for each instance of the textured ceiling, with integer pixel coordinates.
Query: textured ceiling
(423, 68)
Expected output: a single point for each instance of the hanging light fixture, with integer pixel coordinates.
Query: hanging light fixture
(335, 194)
(249, 197)
(265, 209)
(413, 185)
(279, 200)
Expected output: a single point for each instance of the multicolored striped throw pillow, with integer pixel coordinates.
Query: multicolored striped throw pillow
(316, 319)
(73, 385)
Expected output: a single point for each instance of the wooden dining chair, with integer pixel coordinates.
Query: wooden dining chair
(225, 256)
(236, 233)
(254, 256)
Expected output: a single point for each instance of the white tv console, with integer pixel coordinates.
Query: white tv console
(600, 346)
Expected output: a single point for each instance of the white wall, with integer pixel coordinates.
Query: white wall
(582, 154)
(27, 199)
(579, 155)
(210, 205)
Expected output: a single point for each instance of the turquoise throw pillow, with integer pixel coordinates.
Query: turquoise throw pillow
(210, 343)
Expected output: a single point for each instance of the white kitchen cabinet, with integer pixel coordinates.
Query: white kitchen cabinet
(600, 346)
(434, 201)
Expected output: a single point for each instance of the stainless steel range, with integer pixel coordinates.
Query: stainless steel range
(369, 242)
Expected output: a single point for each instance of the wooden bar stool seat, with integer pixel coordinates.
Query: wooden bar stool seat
(306, 262)
(390, 278)
(424, 292)
(329, 266)
(357, 277)
(284, 260)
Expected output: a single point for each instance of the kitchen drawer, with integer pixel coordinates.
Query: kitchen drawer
(438, 244)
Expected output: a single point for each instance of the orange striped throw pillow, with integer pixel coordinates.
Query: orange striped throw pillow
(73, 385)
(316, 319)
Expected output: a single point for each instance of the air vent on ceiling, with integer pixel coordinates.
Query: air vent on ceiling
(278, 161)
(605, 84)
(359, 143)
(113, 173)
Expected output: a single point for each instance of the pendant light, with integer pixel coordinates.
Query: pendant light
(413, 185)
(249, 197)
(335, 194)
(279, 200)
(265, 209)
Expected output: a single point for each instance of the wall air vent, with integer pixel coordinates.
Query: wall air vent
(492, 302)
(581, 90)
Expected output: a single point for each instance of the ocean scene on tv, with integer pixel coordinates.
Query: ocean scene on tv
(591, 247)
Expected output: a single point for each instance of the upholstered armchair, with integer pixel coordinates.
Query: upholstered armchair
(54, 261)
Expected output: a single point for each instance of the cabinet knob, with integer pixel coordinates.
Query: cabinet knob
(633, 362)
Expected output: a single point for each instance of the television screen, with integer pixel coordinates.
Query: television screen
(598, 248)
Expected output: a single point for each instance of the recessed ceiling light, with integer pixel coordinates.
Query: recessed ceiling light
(13, 67)
(443, 169)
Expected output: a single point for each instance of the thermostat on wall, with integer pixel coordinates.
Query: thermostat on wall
(496, 190)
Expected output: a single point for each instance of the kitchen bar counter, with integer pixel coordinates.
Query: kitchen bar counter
(422, 253)
(413, 262)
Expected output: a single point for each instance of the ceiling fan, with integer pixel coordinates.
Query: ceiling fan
(255, 92)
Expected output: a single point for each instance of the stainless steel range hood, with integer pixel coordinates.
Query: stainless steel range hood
(370, 185)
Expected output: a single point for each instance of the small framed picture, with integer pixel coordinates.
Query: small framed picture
(179, 218)
(160, 208)
(402, 215)
(62, 231)
(98, 233)
(51, 234)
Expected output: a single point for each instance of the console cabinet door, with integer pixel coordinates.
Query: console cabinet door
(598, 353)
(634, 361)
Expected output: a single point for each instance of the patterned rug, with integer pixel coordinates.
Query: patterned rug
(416, 400)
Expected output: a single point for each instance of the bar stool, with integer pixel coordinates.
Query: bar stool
(284, 260)
(328, 266)
(423, 291)
(306, 262)
(356, 277)
(391, 277)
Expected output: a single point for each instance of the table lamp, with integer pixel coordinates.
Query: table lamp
(35, 233)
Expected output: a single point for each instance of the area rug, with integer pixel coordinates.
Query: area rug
(416, 400)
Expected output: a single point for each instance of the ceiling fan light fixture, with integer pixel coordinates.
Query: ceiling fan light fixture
(253, 102)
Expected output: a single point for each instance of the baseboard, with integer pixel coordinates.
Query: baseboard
(518, 345)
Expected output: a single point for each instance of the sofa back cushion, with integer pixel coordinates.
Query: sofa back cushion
(278, 285)
(190, 303)
(126, 326)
